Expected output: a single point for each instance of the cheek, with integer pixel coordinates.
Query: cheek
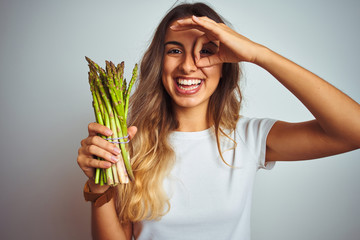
(163, 71)
(164, 79)
(168, 69)
(168, 66)
(213, 72)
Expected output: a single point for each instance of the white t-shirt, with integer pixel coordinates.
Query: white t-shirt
(210, 200)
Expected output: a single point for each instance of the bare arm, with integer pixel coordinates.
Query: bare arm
(105, 223)
(336, 128)
(302, 141)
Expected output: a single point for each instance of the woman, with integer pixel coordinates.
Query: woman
(194, 157)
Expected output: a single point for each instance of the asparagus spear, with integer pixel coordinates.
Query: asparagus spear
(119, 102)
(127, 95)
(100, 115)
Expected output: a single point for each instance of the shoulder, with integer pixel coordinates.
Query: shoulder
(251, 136)
(253, 132)
(248, 127)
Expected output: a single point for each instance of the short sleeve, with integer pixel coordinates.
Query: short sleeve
(254, 132)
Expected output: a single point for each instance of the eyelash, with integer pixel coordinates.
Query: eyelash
(178, 51)
(206, 51)
(174, 51)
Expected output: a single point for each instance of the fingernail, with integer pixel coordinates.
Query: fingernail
(115, 159)
(107, 164)
(197, 59)
(117, 150)
(108, 132)
(174, 27)
(195, 18)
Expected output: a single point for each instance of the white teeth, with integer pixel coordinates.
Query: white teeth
(189, 88)
(188, 81)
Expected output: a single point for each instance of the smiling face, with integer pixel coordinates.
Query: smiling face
(189, 87)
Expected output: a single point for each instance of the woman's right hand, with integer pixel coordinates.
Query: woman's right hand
(94, 146)
(232, 46)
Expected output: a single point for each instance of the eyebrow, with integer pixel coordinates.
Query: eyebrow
(181, 45)
(174, 43)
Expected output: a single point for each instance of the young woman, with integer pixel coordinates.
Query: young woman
(194, 157)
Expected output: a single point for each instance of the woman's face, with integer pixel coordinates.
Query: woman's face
(188, 85)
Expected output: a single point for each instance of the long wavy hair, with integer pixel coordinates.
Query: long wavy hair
(152, 113)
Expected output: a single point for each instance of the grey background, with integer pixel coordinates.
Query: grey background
(45, 106)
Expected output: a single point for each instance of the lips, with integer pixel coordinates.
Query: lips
(188, 85)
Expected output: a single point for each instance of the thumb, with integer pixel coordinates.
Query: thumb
(132, 131)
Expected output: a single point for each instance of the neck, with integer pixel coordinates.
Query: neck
(191, 120)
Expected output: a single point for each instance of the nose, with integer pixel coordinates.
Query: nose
(188, 64)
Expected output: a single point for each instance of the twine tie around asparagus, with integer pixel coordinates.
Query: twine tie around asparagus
(119, 138)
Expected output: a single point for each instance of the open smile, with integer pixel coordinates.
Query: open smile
(187, 85)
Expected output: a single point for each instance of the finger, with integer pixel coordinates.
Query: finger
(207, 24)
(200, 42)
(101, 143)
(202, 20)
(211, 57)
(96, 128)
(92, 151)
(192, 21)
(94, 163)
(132, 131)
(208, 61)
(89, 171)
(206, 48)
(185, 24)
(88, 165)
(203, 24)
(101, 153)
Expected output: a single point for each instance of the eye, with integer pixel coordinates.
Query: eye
(209, 49)
(206, 51)
(174, 51)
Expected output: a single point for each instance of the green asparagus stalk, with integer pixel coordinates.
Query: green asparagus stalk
(110, 102)
(121, 169)
(119, 102)
(127, 96)
(100, 116)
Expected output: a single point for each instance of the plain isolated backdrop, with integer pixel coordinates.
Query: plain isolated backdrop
(45, 106)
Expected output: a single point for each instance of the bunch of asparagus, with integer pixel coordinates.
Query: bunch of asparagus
(110, 95)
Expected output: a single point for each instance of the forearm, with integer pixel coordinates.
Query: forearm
(105, 223)
(337, 114)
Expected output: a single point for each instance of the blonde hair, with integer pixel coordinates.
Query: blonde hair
(151, 112)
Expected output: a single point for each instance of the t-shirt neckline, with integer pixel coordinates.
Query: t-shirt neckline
(192, 135)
